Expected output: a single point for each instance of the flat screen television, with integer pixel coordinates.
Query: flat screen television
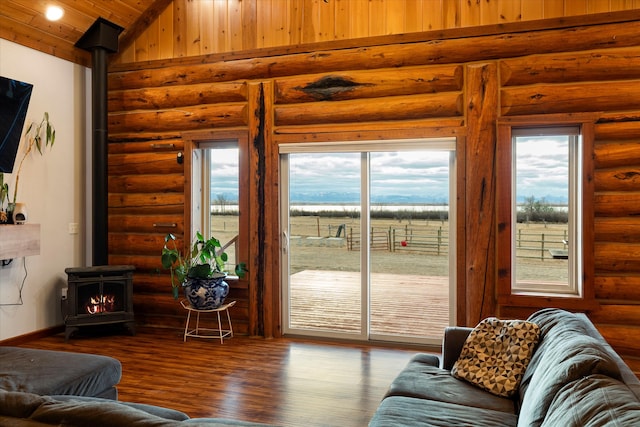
(14, 101)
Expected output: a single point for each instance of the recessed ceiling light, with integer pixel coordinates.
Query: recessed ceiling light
(54, 13)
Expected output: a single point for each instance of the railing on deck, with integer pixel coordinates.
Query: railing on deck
(231, 261)
(541, 245)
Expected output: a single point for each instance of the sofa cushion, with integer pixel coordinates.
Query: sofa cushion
(496, 353)
(424, 381)
(593, 401)
(74, 412)
(220, 422)
(58, 372)
(555, 326)
(19, 405)
(96, 414)
(571, 358)
(400, 411)
(18, 409)
(169, 414)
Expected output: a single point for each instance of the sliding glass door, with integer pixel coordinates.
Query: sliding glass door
(324, 275)
(366, 239)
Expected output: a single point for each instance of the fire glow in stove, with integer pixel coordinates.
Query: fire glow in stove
(98, 296)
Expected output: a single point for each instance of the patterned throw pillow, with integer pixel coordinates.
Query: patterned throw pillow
(496, 354)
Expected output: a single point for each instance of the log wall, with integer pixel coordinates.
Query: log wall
(456, 86)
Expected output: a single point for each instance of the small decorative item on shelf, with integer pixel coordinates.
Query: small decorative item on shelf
(200, 273)
(20, 213)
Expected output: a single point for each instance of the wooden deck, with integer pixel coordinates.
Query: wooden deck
(403, 305)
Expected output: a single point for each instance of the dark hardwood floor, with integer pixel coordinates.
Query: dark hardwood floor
(287, 382)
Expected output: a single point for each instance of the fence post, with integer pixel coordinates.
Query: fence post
(542, 248)
(439, 238)
(370, 239)
(392, 232)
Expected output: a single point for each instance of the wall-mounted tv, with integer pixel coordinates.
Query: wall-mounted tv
(14, 101)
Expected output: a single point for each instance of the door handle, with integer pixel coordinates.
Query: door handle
(285, 242)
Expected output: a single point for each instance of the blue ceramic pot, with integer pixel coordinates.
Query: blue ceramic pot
(206, 294)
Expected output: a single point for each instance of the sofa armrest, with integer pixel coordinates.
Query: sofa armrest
(454, 338)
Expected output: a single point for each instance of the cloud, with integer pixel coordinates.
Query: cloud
(542, 168)
(403, 176)
(419, 176)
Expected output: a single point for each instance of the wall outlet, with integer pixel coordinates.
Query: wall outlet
(63, 293)
(73, 228)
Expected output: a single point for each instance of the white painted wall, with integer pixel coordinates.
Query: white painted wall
(53, 186)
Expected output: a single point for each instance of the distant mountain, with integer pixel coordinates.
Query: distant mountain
(334, 197)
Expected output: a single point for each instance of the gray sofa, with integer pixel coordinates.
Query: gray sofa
(574, 379)
(55, 388)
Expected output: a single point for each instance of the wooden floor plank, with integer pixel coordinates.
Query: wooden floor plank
(287, 382)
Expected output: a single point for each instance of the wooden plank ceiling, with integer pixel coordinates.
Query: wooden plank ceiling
(23, 22)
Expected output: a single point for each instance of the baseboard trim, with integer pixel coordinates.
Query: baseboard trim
(32, 336)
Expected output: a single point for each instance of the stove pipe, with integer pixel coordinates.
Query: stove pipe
(100, 39)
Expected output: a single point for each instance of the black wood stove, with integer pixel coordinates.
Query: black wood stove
(98, 296)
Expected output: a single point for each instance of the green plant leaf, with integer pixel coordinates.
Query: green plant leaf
(201, 271)
(168, 258)
(241, 269)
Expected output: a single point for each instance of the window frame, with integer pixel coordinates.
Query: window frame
(507, 295)
(194, 144)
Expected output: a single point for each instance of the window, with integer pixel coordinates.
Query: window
(220, 196)
(218, 203)
(545, 214)
(547, 210)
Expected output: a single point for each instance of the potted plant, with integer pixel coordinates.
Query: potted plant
(200, 272)
(40, 136)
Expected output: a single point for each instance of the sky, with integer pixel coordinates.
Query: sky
(396, 177)
(400, 177)
(542, 168)
(224, 173)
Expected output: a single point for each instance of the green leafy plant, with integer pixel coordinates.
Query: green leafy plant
(4, 194)
(40, 136)
(206, 259)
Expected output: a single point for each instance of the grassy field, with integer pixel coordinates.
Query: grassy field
(313, 246)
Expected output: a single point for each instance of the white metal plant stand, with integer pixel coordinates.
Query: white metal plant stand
(199, 332)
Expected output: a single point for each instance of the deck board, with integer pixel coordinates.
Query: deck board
(404, 305)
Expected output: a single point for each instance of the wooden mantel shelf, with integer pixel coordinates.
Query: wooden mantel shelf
(17, 241)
